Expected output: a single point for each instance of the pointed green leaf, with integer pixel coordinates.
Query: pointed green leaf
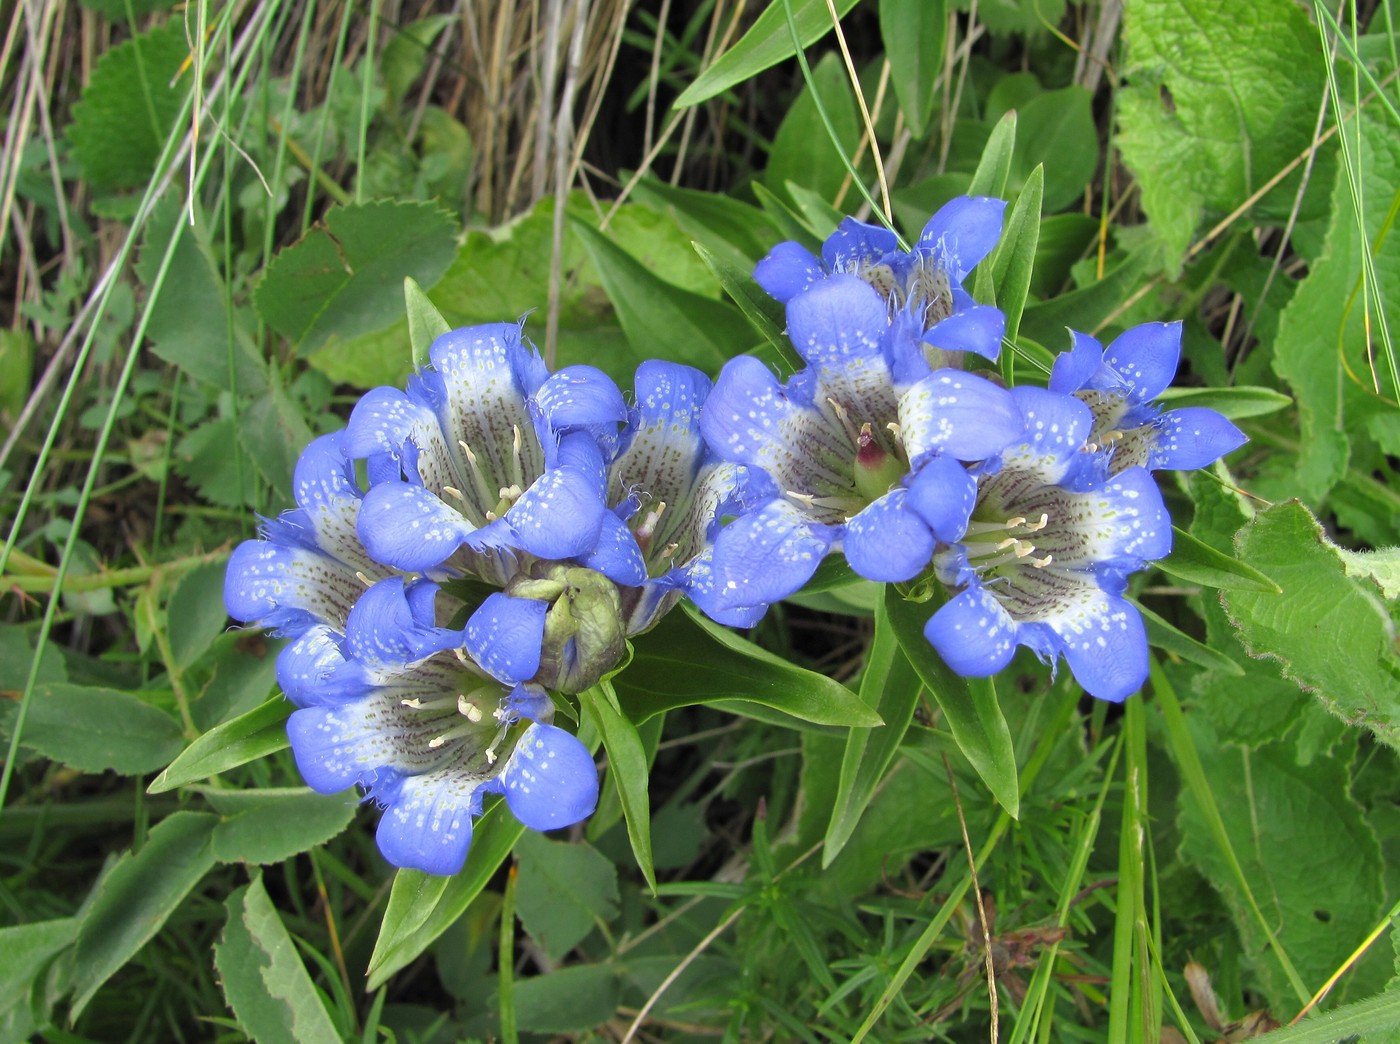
(969, 704)
(272, 824)
(1199, 563)
(425, 322)
(994, 168)
(628, 768)
(1014, 260)
(1236, 403)
(1163, 635)
(913, 32)
(246, 738)
(93, 729)
(762, 311)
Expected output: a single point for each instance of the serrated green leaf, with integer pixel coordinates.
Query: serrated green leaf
(272, 430)
(270, 825)
(969, 704)
(129, 107)
(1376, 1018)
(698, 331)
(1236, 403)
(246, 738)
(629, 769)
(767, 43)
(94, 729)
(562, 890)
(427, 911)
(684, 661)
(425, 322)
(1321, 606)
(195, 612)
(890, 686)
(913, 32)
(1014, 260)
(994, 168)
(264, 979)
(1199, 563)
(134, 900)
(28, 950)
(344, 278)
(210, 459)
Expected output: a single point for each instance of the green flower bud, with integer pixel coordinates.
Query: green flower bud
(585, 635)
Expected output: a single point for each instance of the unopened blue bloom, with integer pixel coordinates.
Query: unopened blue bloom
(839, 442)
(1119, 383)
(1044, 559)
(924, 284)
(429, 720)
(484, 457)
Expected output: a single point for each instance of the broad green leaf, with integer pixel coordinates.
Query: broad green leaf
(803, 152)
(406, 54)
(1163, 635)
(913, 32)
(727, 228)
(1330, 633)
(696, 330)
(246, 738)
(994, 168)
(345, 277)
(969, 704)
(1376, 1018)
(93, 729)
(195, 612)
(764, 313)
(1221, 98)
(190, 326)
(1287, 827)
(768, 42)
(684, 661)
(562, 890)
(28, 950)
(17, 655)
(427, 910)
(1199, 563)
(1014, 260)
(270, 825)
(264, 979)
(568, 1000)
(129, 107)
(136, 897)
(1057, 132)
(1382, 567)
(890, 686)
(425, 322)
(628, 768)
(1236, 403)
(272, 430)
(208, 459)
(1087, 306)
(1323, 334)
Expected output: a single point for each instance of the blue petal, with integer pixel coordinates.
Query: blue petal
(973, 633)
(979, 330)
(838, 327)
(1074, 369)
(1140, 525)
(384, 631)
(1193, 437)
(855, 243)
(1145, 358)
(959, 414)
(287, 588)
(550, 780)
(1055, 429)
(962, 233)
(326, 491)
(407, 527)
(383, 420)
(664, 444)
(765, 556)
(580, 397)
(1106, 651)
(560, 515)
(504, 637)
(886, 541)
(787, 271)
(943, 494)
(429, 825)
(616, 554)
(318, 736)
(313, 670)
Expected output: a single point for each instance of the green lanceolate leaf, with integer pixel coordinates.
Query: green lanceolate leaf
(93, 729)
(1014, 260)
(1164, 636)
(969, 704)
(727, 228)
(1236, 403)
(890, 686)
(1330, 632)
(628, 768)
(425, 322)
(246, 738)
(264, 980)
(762, 311)
(913, 32)
(132, 902)
(428, 910)
(1199, 563)
(687, 659)
(994, 168)
(767, 43)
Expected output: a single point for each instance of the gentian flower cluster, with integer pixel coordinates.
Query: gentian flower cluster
(486, 541)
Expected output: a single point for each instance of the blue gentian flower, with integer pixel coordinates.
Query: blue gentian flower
(1118, 384)
(429, 720)
(486, 456)
(1044, 558)
(839, 442)
(924, 284)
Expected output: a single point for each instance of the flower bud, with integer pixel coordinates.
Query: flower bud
(585, 635)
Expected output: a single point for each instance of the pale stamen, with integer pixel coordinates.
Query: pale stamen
(360, 576)
(852, 432)
(479, 481)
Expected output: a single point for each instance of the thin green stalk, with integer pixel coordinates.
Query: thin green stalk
(365, 115)
(506, 960)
